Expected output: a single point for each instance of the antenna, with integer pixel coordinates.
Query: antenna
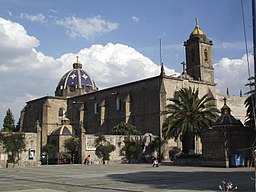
(160, 44)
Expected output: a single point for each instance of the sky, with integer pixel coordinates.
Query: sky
(117, 42)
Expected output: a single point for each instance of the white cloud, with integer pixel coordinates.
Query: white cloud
(233, 74)
(34, 18)
(114, 64)
(86, 28)
(26, 73)
(135, 19)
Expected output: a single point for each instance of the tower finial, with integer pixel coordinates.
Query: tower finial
(77, 59)
(184, 66)
(225, 100)
(197, 21)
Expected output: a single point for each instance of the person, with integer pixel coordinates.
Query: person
(87, 160)
(155, 162)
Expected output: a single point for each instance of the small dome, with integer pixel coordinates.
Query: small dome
(75, 82)
(197, 30)
(226, 118)
(64, 130)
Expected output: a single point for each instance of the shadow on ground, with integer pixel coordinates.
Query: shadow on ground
(198, 181)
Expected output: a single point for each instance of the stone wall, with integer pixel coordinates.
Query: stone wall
(27, 157)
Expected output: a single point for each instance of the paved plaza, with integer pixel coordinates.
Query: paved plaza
(124, 178)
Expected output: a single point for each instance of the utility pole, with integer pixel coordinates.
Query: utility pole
(254, 56)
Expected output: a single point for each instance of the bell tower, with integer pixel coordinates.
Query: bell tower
(199, 56)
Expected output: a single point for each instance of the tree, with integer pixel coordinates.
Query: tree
(50, 150)
(13, 144)
(187, 115)
(156, 145)
(125, 129)
(250, 104)
(132, 147)
(250, 111)
(103, 148)
(9, 122)
(72, 146)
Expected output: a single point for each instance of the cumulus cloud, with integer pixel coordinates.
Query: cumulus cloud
(34, 18)
(26, 73)
(86, 28)
(114, 64)
(233, 74)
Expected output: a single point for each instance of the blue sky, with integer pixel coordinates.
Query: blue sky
(170, 20)
(39, 41)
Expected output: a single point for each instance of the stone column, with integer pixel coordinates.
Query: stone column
(81, 133)
(127, 108)
(39, 143)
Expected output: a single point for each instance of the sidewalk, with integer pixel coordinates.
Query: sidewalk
(124, 178)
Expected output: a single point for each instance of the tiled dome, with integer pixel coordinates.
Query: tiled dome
(226, 119)
(64, 130)
(75, 82)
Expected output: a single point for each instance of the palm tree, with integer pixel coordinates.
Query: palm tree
(187, 115)
(250, 104)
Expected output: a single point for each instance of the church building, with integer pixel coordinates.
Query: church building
(80, 108)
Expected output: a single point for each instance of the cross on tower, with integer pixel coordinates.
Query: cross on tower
(77, 59)
(184, 66)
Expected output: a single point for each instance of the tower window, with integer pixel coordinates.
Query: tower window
(205, 55)
(96, 108)
(118, 104)
(61, 112)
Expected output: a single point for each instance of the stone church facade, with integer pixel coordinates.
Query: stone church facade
(78, 107)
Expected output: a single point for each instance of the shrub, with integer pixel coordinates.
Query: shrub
(103, 148)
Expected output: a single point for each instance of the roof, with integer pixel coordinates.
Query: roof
(64, 130)
(197, 31)
(226, 119)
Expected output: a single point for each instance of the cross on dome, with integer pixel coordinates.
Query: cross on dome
(197, 21)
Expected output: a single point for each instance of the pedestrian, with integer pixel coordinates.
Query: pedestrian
(87, 160)
(155, 162)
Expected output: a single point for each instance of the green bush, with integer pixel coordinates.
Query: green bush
(131, 149)
(174, 151)
(103, 148)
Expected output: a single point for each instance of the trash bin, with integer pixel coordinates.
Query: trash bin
(237, 160)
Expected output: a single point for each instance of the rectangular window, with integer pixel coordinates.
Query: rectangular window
(96, 108)
(118, 104)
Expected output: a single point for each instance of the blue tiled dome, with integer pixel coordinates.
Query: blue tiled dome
(64, 130)
(75, 82)
(226, 119)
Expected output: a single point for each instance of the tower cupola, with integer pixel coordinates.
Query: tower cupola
(199, 56)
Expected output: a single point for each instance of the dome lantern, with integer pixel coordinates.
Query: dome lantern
(197, 31)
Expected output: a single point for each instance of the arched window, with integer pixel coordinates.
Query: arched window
(175, 95)
(205, 55)
(71, 88)
(61, 112)
(118, 104)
